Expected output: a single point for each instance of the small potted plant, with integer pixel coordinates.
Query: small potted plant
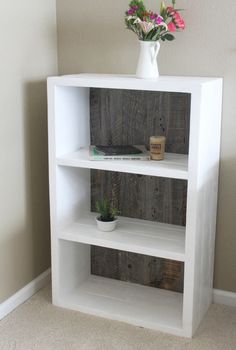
(107, 218)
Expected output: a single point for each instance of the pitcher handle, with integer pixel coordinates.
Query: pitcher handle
(156, 50)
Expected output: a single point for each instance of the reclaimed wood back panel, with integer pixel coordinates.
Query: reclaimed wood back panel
(130, 117)
(137, 268)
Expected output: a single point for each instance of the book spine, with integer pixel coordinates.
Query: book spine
(118, 158)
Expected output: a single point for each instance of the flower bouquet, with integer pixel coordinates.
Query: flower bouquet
(151, 27)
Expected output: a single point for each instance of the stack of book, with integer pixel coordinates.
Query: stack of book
(127, 152)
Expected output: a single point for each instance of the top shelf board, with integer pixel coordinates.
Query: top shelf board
(130, 82)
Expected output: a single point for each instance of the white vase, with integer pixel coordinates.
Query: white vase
(106, 226)
(147, 64)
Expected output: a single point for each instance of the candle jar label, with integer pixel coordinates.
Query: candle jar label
(156, 148)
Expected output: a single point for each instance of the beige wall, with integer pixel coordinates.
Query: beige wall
(92, 38)
(27, 56)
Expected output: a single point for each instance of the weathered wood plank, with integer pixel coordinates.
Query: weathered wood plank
(143, 197)
(137, 268)
(131, 117)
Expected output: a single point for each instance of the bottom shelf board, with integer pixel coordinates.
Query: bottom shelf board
(139, 305)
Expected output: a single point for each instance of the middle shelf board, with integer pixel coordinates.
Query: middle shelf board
(173, 166)
(132, 235)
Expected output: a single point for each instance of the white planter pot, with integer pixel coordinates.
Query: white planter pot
(147, 63)
(106, 226)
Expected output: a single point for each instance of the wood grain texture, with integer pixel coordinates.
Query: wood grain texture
(131, 117)
(137, 268)
(142, 197)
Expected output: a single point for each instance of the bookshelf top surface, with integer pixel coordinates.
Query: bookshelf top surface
(163, 83)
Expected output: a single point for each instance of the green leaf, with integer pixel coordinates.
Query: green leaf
(151, 34)
(107, 212)
(168, 37)
(156, 36)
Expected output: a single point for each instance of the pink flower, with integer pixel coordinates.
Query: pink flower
(171, 11)
(171, 27)
(159, 20)
(153, 16)
(179, 22)
(145, 26)
(132, 10)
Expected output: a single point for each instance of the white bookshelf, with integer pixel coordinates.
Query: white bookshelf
(73, 228)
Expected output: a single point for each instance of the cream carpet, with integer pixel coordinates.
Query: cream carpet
(38, 325)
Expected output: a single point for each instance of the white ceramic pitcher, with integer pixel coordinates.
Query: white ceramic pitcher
(147, 64)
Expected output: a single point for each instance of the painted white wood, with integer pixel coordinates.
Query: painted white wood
(74, 266)
(115, 81)
(202, 202)
(223, 297)
(72, 122)
(69, 172)
(68, 126)
(132, 235)
(25, 293)
(139, 305)
(52, 117)
(73, 194)
(173, 166)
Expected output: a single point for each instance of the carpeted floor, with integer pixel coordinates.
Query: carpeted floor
(38, 325)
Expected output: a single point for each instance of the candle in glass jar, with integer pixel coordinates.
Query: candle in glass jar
(157, 147)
